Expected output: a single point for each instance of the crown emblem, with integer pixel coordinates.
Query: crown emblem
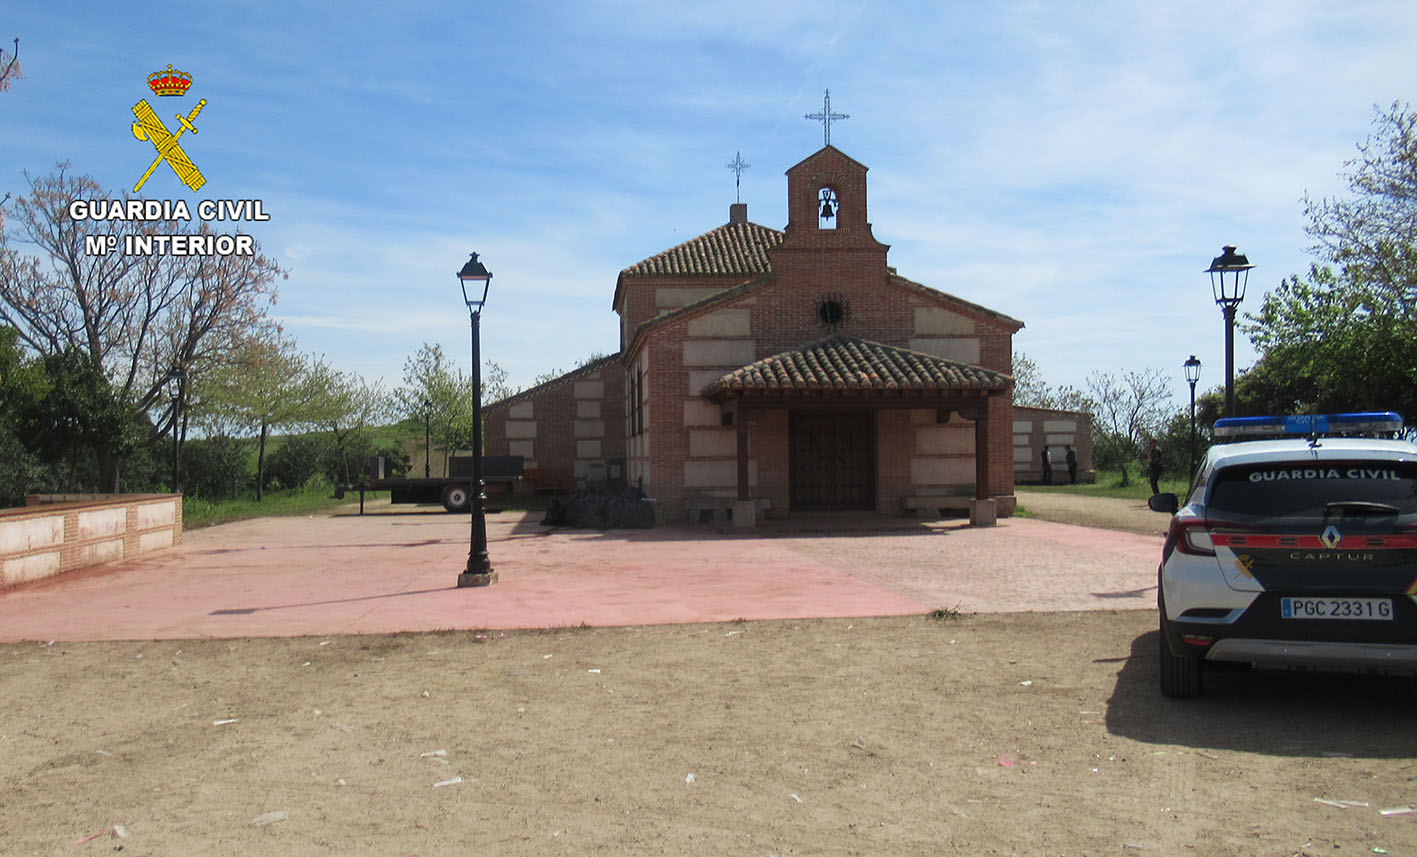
(170, 82)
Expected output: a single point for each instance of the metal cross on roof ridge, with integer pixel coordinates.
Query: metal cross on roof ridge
(738, 166)
(826, 117)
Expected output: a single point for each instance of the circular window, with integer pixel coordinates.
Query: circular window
(832, 311)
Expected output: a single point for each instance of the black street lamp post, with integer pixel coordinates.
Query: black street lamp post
(1229, 272)
(1193, 374)
(427, 436)
(474, 275)
(176, 378)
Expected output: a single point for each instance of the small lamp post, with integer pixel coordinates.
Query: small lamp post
(176, 378)
(1193, 374)
(427, 436)
(476, 280)
(1229, 272)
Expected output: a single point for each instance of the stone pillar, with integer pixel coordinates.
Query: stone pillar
(983, 513)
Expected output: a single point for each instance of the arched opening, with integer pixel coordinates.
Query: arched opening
(827, 208)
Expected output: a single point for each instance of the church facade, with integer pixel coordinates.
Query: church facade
(766, 372)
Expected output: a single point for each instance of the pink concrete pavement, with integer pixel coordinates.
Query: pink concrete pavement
(394, 570)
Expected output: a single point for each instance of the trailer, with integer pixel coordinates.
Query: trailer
(454, 491)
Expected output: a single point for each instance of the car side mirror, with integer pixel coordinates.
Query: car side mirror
(1163, 503)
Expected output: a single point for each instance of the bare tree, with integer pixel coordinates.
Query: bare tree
(137, 318)
(1130, 407)
(10, 66)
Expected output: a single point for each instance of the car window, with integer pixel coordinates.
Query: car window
(1196, 492)
(1306, 487)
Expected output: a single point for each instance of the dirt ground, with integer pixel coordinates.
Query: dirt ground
(1033, 733)
(1130, 516)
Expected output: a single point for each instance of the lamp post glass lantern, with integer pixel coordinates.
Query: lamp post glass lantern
(1229, 273)
(476, 280)
(1193, 374)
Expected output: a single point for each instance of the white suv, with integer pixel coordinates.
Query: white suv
(1296, 551)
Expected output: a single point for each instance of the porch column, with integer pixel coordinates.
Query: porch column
(982, 511)
(745, 511)
(981, 453)
(741, 424)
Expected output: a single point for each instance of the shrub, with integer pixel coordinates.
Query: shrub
(296, 460)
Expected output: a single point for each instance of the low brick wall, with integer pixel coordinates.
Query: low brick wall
(56, 533)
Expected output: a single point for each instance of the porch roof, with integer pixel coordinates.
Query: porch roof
(846, 365)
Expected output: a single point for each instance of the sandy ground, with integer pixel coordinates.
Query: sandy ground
(1026, 733)
(1021, 734)
(1131, 516)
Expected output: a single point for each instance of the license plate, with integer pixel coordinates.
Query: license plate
(1335, 608)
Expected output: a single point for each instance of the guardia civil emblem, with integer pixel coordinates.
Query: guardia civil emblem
(168, 83)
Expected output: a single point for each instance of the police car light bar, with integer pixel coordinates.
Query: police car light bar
(1305, 425)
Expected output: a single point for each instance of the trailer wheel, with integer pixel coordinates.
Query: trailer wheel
(457, 498)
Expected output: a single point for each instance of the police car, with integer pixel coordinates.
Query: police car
(1296, 547)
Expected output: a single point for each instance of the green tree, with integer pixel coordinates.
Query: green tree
(268, 388)
(441, 393)
(22, 384)
(78, 412)
(346, 406)
(494, 384)
(1345, 337)
(448, 392)
(215, 466)
(297, 459)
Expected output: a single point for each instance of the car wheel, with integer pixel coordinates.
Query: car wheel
(1180, 676)
(457, 498)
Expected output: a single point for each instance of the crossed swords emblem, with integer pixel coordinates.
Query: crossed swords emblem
(149, 127)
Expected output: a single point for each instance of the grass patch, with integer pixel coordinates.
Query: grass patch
(200, 512)
(1110, 485)
(946, 614)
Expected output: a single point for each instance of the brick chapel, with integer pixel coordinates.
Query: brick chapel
(766, 373)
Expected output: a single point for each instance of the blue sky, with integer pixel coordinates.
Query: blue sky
(1074, 165)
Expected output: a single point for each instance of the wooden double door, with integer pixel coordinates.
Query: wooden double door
(833, 460)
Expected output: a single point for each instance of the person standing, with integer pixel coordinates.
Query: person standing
(1153, 467)
(1047, 466)
(1072, 460)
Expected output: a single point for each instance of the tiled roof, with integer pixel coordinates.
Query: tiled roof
(730, 250)
(843, 363)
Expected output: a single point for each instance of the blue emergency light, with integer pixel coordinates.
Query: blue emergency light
(1308, 425)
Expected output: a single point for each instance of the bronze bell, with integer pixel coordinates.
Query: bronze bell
(827, 209)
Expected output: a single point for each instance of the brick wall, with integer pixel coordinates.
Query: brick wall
(570, 431)
(1034, 427)
(644, 298)
(58, 533)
